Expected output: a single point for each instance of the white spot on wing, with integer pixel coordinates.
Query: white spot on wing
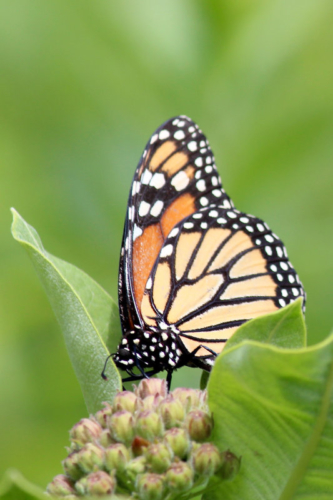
(156, 209)
(180, 181)
(166, 251)
(157, 181)
(173, 232)
(201, 185)
(137, 232)
(144, 208)
(146, 176)
(164, 134)
(179, 135)
(192, 146)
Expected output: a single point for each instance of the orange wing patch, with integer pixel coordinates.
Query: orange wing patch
(185, 247)
(162, 285)
(212, 240)
(161, 154)
(239, 242)
(145, 251)
(251, 263)
(175, 163)
(191, 297)
(183, 206)
(221, 314)
(148, 313)
(263, 286)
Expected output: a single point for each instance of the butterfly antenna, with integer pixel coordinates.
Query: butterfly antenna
(104, 377)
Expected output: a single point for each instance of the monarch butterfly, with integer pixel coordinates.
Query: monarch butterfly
(192, 267)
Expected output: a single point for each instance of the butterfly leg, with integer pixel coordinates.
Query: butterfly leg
(168, 379)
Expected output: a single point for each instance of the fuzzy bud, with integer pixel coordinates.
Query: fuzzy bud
(61, 486)
(190, 398)
(105, 438)
(125, 400)
(97, 483)
(150, 487)
(71, 466)
(85, 431)
(135, 467)
(91, 457)
(230, 465)
(159, 457)
(179, 477)
(116, 457)
(150, 402)
(150, 387)
(178, 441)
(103, 416)
(122, 426)
(199, 425)
(172, 412)
(206, 459)
(149, 424)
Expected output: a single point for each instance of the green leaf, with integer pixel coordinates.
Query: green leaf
(284, 328)
(15, 487)
(274, 407)
(86, 314)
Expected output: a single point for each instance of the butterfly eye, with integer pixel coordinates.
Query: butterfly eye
(193, 269)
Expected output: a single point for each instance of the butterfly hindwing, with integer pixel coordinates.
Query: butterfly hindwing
(217, 269)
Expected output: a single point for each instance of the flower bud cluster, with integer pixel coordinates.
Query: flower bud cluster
(148, 444)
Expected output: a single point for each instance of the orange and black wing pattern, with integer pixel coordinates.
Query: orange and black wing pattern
(193, 268)
(176, 176)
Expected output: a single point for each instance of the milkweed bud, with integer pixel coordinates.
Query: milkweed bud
(150, 387)
(150, 487)
(150, 402)
(135, 467)
(97, 483)
(179, 477)
(116, 457)
(125, 400)
(159, 457)
(103, 416)
(206, 459)
(230, 465)
(90, 457)
(122, 426)
(199, 425)
(178, 441)
(149, 425)
(172, 412)
(61, 486)
(105, 438)
(71, 466)
(85, 431)
(190, 398)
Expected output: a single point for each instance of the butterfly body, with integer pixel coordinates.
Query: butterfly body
(193, 268)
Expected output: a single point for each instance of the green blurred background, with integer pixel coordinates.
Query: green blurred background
(83, 85)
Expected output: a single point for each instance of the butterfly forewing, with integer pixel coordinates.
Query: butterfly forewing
(175, 177)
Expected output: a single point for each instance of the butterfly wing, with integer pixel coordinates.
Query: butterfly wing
(176, 176)
(217, 269)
